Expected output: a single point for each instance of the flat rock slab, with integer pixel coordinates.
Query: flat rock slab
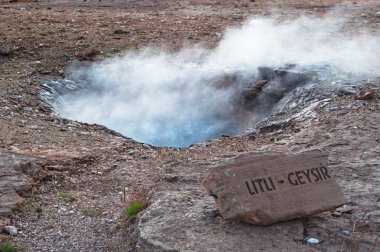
(13, 181)
(20, 171)
(187, 220)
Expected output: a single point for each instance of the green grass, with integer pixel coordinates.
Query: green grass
(39, 210)
(68, 197)
(8, 247)
(134, 207)
(131, 242)
(91, 212)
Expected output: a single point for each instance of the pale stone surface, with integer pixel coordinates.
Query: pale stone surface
(187, 220)
(12, 230)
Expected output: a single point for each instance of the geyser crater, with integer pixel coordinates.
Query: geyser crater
(178, 99)
(173, 113)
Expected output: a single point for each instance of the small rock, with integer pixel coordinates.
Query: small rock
(345, 209)
(336, 214)
(21, 123)
(14, 149)
(74, 180)
(44, 71)
(346, 232)
(63, 209)
(12, 230)
(312, 241)
(170, 177)
(365, 94)
(341, 210)
(5, 52)
(131, 152)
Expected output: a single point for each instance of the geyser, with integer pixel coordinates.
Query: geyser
(177, 99)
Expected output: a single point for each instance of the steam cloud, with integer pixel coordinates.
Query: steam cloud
(171, 99)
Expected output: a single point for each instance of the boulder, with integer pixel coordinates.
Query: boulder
(273, 84)
(263, 188)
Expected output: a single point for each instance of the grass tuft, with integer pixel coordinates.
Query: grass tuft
(39, 210)
(134, 206)
(8, 247)
(68, 197)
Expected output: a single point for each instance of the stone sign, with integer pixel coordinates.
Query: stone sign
(267, 187)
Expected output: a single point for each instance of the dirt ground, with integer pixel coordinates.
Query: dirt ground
(38, 39)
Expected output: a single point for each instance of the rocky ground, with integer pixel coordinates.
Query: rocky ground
(66, 180)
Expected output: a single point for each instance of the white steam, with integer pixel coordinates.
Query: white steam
(304, 41)
(171, 99)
